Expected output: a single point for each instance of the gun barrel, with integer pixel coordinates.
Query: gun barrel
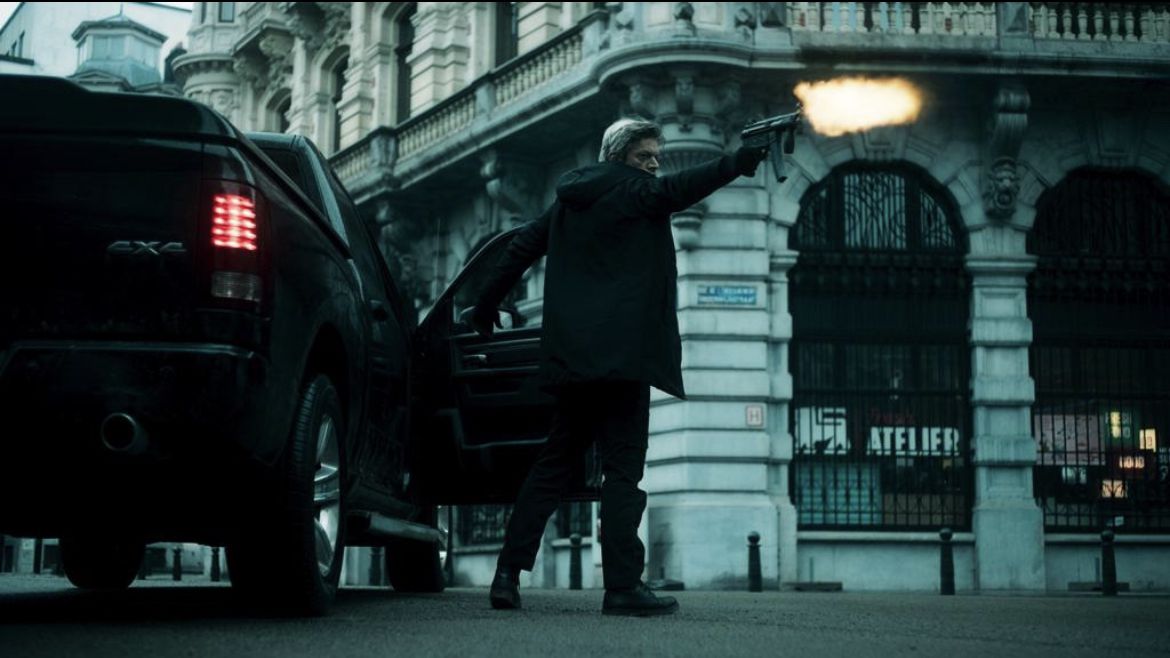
(770, 124)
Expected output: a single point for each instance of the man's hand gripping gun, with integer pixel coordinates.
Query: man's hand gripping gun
(768, 132)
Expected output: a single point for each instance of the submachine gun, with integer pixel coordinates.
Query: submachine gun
(766, 133)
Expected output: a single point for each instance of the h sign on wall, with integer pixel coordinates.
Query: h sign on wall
(754, 415)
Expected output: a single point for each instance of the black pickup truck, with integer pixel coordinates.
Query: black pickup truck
(201, 341)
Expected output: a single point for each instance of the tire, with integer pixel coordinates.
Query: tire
(96, 562)
(294, 563)
(415, 566)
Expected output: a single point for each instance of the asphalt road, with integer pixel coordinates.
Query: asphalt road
(43, 616)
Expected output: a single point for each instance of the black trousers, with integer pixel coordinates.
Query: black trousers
(617, 416)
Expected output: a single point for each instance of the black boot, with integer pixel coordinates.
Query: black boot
(505, 592)
(637, 601)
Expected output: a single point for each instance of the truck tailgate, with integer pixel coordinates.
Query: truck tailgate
(99, 235)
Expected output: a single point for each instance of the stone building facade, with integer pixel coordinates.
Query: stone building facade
(961, 322)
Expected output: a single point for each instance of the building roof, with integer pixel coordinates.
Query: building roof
(115, 22)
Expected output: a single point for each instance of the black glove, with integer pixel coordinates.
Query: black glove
(482, 319)
(747, 158)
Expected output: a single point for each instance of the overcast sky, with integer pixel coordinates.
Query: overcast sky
(6, 9)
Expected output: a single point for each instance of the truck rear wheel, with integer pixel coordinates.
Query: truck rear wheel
(294, 561)
(99, 562)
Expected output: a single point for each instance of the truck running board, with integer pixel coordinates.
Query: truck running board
(379, 525)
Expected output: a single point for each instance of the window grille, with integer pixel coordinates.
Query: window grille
(879, 357)
(478, 525)
(1099, 301)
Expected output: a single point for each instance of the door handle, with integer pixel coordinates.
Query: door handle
(475, 360)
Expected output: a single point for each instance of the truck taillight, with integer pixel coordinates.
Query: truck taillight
(234, 223)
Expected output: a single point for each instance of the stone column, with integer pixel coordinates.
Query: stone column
(708, 463)
(1008, 525)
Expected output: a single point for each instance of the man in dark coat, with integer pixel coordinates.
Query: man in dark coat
(610, 332)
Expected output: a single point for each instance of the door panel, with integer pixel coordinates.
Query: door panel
(481, 416)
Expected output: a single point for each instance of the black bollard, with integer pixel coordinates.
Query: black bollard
(177, 563)
(755, 577)
(1108, 565)
(376, 566)
(575, 561)
(449, 563)
(38, 553)
(946, 563)
(216, 574)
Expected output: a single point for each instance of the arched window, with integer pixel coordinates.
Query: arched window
(1099, 301)
(879, 355)
(337, 85)
(404, 37)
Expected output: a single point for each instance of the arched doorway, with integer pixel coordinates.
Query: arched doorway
(881, 406)
(1099, 301)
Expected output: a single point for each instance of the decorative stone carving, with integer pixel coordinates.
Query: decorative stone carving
(507, 183)
(1001, 188)
(252, 70)
(319, 24)
(1001, 179)
(729, 108)
(684, 14)
(223, 101)
(745, 24)
(396, 235)
(278, 49)
(641, 100)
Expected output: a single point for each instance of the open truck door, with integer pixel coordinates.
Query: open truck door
(480, 416)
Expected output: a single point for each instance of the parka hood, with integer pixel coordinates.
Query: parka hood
(580, 188)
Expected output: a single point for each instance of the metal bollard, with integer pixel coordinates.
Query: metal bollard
(38, 555)
(216, 574)
(575, 561)
(177, 563)
(755, 577)
(376, 566)
(1108, 565)
(946, 563)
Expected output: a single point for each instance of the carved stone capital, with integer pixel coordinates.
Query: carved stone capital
(641, 99)
(745, 24)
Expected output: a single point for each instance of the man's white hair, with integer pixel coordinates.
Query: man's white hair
(623, 134)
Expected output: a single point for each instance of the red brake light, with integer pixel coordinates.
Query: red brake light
(233, 222)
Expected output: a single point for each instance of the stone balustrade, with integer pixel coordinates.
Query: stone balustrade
(1101, 21)
(352, 162)
(537, 67)
(921, 18)
(445, 120)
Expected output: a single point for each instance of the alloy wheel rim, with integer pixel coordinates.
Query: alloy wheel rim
(326, 495)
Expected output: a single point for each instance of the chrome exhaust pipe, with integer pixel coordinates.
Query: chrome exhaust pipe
(121, 433)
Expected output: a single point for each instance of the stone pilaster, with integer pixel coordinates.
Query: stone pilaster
(357, 97)
(538, 22)
(1008, 525)
(442, 53)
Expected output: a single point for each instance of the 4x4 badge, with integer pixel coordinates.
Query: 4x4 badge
(145, 248)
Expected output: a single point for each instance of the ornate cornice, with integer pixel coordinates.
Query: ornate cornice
(196, 63)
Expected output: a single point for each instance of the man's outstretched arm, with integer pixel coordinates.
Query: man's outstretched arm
(526, 247)
(683, 189)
